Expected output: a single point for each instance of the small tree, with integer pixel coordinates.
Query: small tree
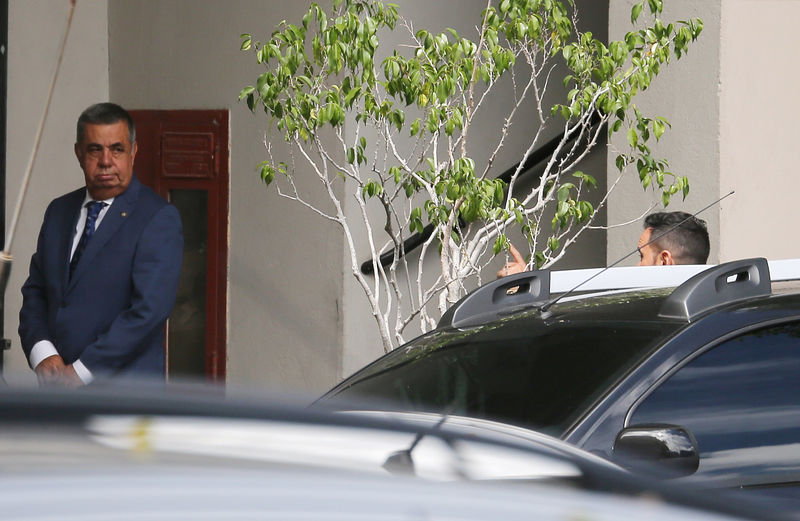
(401, 128)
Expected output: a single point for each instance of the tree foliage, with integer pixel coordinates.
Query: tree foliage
(400, 128)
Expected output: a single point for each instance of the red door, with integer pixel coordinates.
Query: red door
(183, 155)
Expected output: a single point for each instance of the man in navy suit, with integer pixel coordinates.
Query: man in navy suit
(105, 273)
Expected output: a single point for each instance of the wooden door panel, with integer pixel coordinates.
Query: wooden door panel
(183, 155)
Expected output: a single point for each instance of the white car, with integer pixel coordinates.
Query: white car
(121, 454)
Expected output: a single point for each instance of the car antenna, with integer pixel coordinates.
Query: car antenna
(547, 305)
(401, 462)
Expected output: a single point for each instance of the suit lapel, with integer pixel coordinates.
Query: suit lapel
(120, 210)
(67, 234)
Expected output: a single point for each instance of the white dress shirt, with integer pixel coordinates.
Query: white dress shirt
(45, 348)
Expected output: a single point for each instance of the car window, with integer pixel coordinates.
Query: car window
(741, 401)
(545, 379)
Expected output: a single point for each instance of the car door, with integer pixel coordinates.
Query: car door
(740, 400)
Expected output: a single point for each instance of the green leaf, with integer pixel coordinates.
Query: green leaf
(415, 221)
(351, 96)
(267, 173)
(685, 186)
(563, 193)
(415, 127)
(499, 193)
(453, 191)
(586, 210)
(636, 11)
(633, 137)
(620, 162)
(396, 173)
(590, 181)
(371, 189)
(500, 244)
(658, 129)
(245, 92)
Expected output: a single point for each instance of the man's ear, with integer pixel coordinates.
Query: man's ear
(665, 258)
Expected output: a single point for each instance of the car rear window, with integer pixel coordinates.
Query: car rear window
(544, 381)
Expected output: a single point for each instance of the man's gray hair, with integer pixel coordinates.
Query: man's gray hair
(105, 114)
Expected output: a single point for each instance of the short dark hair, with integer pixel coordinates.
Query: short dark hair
(688, 242)
(105, 114)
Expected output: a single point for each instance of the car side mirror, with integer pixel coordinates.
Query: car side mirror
(667, 450)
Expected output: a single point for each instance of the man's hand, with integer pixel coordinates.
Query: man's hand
(69, 378)
(518, 265)
(49, 369)
(53, 372)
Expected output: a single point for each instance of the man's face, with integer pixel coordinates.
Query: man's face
(648, 255)
(106, 157)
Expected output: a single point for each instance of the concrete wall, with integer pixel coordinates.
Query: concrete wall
(285, 263)
(34, 36)
(296, 320)
(686, 93)
(758, 127)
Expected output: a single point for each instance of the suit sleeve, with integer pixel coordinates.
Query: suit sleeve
(154, 277)
(33, 313)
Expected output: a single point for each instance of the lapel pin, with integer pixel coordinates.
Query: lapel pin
(124, 214)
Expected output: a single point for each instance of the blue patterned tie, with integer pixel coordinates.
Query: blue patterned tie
(94, 208)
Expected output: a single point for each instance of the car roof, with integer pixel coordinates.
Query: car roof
(529, 293)
(632, 304)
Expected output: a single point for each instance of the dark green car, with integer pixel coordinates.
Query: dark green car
(702, 380)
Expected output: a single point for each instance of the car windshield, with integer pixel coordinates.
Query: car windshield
(544, 379)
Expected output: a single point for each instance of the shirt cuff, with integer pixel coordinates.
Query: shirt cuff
(45, 349)
(41, 350)
(84, 374)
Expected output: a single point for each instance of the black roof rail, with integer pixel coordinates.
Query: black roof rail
(493, 300)
(717, 286)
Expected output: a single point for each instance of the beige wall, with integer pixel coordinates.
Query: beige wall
(34, 36)
(686, 93)
(296, 320)
(758, 125)
(285, 263)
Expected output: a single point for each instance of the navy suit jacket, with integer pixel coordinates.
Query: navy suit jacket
(111, 313)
